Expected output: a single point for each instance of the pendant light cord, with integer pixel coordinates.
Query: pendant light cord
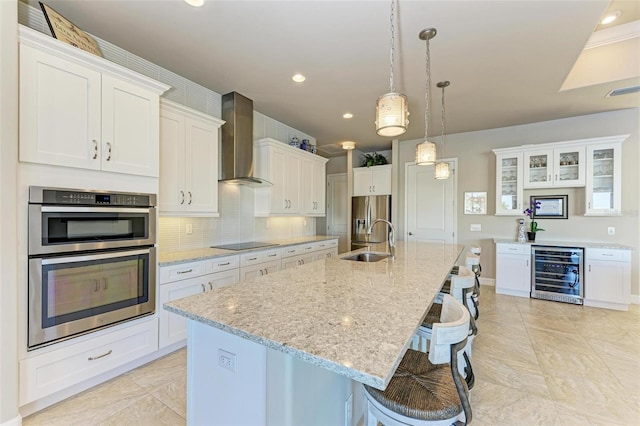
(393, 46)
(426, 93)
(444, 140)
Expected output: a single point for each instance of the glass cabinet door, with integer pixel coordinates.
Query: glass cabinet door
(538, 169)
(569, 167)
(603, 180)
(509, 184)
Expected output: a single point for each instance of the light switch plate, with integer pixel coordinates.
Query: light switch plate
(476, 227)
(611, 230)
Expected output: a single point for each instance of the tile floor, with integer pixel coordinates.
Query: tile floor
(536, 363)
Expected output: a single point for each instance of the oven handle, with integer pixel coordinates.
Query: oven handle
(64, 209)
(71, 259)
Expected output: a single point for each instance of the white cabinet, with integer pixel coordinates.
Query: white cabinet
(280, 164)
(79, 110)
(326, 249)
(187, 279)
(559, 167)
(188, 161)
(299, 260)
(509, 188)
(374, 180)
(607, 282)
(313, 185)
(58, 369)
(603, 191)
(513, 269)
(256, 264)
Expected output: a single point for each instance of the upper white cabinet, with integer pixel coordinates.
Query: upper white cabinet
(509, 184)
(374, 180)
(295, 190)
(79, 110)
(603, 197)
(188, 161)
(594, 164)
(561, 167)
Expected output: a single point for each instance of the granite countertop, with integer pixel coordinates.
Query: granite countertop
(585, 244)
(166, 258)
(354, 318)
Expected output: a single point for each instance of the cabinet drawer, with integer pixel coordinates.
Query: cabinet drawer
(254, 258)
(607, 254)
(220, 264)
(513, 248)
(182, 271)
(291, 251)
(59, 369)
(308, 248)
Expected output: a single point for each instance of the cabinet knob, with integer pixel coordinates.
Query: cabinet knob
(410, 233)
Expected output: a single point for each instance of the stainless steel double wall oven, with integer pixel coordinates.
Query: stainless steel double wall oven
(92, 261)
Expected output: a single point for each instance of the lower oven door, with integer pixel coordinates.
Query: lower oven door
(75, 294)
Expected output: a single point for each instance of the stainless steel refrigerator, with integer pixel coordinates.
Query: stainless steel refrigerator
(364, 210)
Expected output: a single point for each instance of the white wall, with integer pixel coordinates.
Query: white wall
(8, 218)
(476, 172)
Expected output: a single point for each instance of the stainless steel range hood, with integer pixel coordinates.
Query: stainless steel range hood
(237, 142)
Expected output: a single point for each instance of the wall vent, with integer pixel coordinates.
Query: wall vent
(623, 91)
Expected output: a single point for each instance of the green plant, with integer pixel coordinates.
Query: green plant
(373, 159)
(531, 212)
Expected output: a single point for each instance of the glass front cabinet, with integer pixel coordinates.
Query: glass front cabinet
(602, 192)
(560, 167)
(509, 184)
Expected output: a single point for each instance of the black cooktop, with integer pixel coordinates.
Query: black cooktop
(245, 246)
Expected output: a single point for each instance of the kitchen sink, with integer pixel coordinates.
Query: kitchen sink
(366, 256)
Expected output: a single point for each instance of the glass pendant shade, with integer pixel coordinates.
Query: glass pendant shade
(392, 114)
(442, 171)
(425, 153)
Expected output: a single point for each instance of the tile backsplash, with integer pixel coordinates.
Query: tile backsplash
(235, 224)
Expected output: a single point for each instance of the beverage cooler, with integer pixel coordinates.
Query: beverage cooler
(557, 274)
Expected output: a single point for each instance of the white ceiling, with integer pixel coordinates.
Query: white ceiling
(506, 60)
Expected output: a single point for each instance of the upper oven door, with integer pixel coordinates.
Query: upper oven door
(60, 229)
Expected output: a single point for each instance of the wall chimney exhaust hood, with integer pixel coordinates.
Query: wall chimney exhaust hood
(237, 142)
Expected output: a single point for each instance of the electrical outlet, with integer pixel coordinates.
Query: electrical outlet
(475, 227)
(348, 411)
(189, 228)
(611, 230)
(227, 360)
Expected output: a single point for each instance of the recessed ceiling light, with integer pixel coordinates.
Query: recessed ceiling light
(194, 3)
(347, 115)
(611, 16)
(298, 78)
(348, 145)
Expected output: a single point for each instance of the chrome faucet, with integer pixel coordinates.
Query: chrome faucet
(392, 233)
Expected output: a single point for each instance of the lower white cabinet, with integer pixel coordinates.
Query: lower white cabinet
(299, 260)
(607, 282)
(513, 269)
(260, 269)
(56, 370)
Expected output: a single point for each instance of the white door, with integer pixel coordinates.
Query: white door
(337, 208)
(430, 204)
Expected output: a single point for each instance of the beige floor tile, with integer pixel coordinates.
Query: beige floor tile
(91, 406)
(551, 341)
(548, 322)
(174, 395)
(492, 370)
(161, 372)
(564, 362)
(146, 412)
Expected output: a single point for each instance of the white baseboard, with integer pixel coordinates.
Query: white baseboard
(635, 299)
(488, 281)
(16, 421)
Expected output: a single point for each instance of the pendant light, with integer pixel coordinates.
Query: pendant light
(392, 112)
(442, 169)
(426, 151)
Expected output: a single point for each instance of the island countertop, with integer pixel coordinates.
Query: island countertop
(354, 318)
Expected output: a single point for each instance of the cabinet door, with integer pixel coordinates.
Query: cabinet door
(130, 128)
(172, 162)
(381, 180)
(293, 177)
(320, 188)
(603, 177)
(201, 181)
(253, 271)
(538, 169)
(569, 167)
(59, 111)
(513, 271)
(277, 176)
(509, 189)
(173, 327)
(224, 278)
(607, 281)
(362, 182)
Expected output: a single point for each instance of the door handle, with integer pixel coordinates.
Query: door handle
(182, 195)
(93, 358)
(210, 285)
(190, 198)
(95, 149)
(410, 233)
(108, 151)
(266, 271)
(203, 289)
(105, 283)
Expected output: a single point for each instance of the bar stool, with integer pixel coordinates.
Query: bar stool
(427, 388)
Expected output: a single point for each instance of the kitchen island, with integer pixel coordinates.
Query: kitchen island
(291, 347)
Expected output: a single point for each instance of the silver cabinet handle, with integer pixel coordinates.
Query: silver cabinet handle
(203, 289)
(108, 151)
(302, 260)
(589, 268)
(266, 271)
(224, 264)
(273, 254)
(210, 286)
(95, 149)
(374, 188)
(190, 198)
(96, 285)
(184, 272)
(93, 358)
(549, 178)
(261, 272)
(527, 262)
(105, 283)
(252, 258)
(182, 197)
(556, 177)
(589, 204)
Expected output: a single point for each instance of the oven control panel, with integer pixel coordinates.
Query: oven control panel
(89, 198)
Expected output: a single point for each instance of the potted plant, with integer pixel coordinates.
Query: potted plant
(374, 159)
(533, 226)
